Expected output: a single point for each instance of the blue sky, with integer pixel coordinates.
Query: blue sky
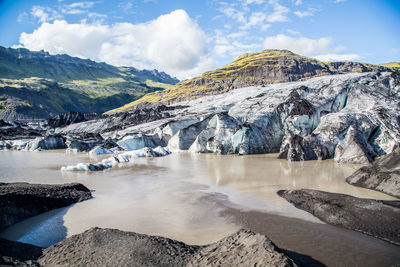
(186, 38)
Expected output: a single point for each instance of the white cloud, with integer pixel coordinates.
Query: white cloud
(233, 13)
(236, 35)
(173, 43)
(232, 45)
(321, 48)
(84, 5)
(97, 17)
(293, 32)
(126, 6)
(297, 2)
(302, 14)
(77, 8)
(301, 45)
(279, 13)
(337, 57)
(256, 18)
(249, 2)
(21, 17)
(45, 14)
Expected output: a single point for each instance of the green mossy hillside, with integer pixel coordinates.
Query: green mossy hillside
(51, 84)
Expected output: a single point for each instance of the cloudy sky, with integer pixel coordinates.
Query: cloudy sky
(186, 38)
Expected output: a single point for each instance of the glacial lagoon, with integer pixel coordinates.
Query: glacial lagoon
(197, 199)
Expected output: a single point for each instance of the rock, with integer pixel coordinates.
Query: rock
(19, 201)
(383, 175)
(119, 121)
(377, 218)
(19, 132)
(9, 261)
(71, 117)
(15, 253)
(109, 247)
(4, 123)
(243, 248)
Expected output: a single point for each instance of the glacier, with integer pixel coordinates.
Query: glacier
(349, 117)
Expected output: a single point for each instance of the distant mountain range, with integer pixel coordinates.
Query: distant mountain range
(40, 85)
(254, 69)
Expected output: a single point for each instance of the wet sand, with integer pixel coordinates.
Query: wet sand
(330, 245)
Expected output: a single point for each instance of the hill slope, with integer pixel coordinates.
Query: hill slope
(39, 85)
(254, 69)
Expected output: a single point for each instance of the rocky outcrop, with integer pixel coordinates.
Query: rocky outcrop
(71, 117)
(243, 248)
(352, 118)
(14, 253)
(106, 247)
(377, 218)
(383, 175)
(120, 121)
(19, 201)
(10, 132)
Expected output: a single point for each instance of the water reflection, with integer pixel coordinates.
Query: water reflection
(34, 229)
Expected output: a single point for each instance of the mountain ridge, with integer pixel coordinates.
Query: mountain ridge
(35, 84)
(255, 69)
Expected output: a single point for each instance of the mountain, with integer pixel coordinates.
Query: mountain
(40, 85)
(255, 69)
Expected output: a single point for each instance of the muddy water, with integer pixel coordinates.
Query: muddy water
(198, 199)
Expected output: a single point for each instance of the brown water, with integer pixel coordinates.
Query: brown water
(198, 199)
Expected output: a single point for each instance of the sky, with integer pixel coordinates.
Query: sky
(187, 38)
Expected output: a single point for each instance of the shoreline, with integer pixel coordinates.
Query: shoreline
(328, 244)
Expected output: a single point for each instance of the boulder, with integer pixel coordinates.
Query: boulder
(19, 201)
(71, 117)
(383, 175)
(377, 218)
(14, 253)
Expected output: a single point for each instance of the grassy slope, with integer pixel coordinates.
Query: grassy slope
(242, 70)
(94, 87)
(395, 66)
